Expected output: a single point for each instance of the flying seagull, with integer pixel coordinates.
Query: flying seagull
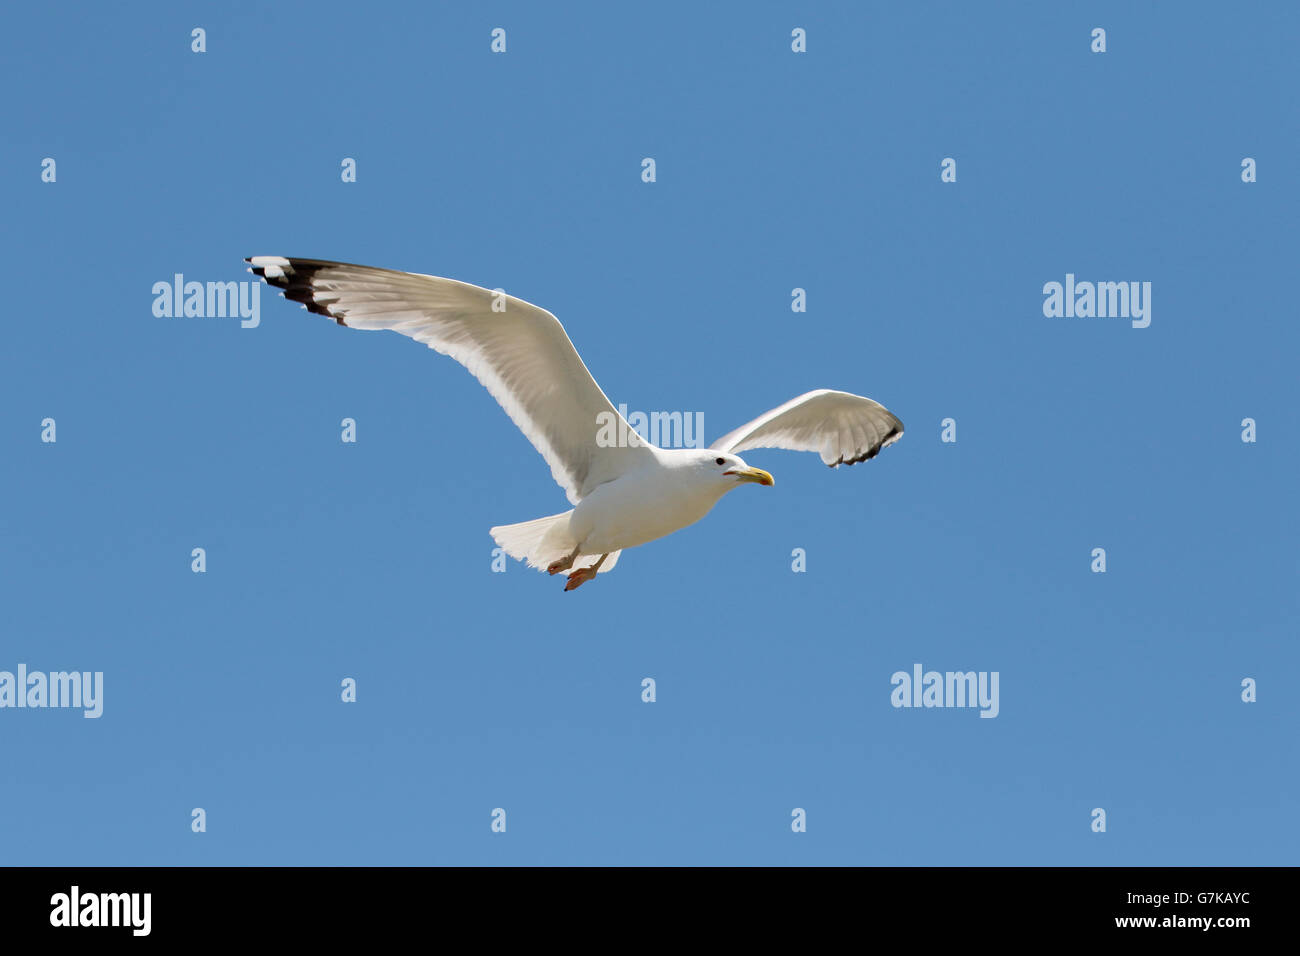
(624, 493)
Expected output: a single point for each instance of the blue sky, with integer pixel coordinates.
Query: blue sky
(775, 170)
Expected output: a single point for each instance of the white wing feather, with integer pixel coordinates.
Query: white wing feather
(521, 354)
(842, 427)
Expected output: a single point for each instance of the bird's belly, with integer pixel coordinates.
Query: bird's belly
(612, 517)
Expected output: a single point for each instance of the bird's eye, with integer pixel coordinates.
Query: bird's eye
(721, 461)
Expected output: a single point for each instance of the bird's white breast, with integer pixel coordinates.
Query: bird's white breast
(648, 503)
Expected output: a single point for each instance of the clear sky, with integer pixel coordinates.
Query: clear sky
(775, 170)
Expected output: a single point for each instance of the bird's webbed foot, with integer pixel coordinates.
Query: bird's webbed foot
(583, 575)
(579, 578)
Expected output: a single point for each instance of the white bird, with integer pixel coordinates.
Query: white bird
(624, 492)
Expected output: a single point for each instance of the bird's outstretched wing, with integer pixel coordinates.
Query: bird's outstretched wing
(843, 428)
(520, 354)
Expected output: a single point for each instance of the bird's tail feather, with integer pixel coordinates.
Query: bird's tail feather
(545, 540)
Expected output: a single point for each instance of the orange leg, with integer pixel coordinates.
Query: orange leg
(583, 575)
(555, 567)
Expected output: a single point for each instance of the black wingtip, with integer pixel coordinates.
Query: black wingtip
(295, 281)
(894, 434)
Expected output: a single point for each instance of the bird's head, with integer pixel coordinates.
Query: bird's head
(731, 470)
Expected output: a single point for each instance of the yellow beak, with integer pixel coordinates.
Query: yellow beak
(752, 474)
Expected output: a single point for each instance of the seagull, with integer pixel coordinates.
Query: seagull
(625, 491)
